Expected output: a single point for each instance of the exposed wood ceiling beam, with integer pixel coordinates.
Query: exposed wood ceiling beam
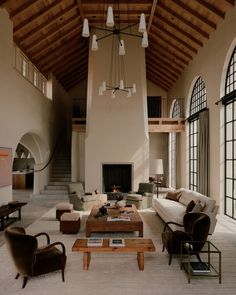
(231, 3)
(22, 8)
(80, 9)
(213, 9)
(45, 24)
(2, 2)
(183, 20)
(36, 43)
(72, 51)
(174, 37)
(70, 62)
(166, 56)
(158, 77)
(58, 50)
(64, 36)
(64, 75)
(159, 17)
(154, 4)
(195, 14)
(158, 38)
(74, 82)
(156, 74)
(74, 73)
(161, 66)
(157, 82)
(36, 16)
(162, 74)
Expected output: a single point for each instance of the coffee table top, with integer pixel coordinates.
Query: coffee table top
(113, 211)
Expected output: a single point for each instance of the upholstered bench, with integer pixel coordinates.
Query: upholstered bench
(70, 223)
(62, 208)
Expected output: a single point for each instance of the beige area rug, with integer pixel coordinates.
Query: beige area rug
(115, 273)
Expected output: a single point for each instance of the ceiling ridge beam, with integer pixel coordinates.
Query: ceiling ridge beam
(36, 16)
(69, 62)
(151, 67)
(160, 78)
(196, 14)
(75, 70)
(159, 64)
(75, 82)
(22, 8)
(151, 15)
(183, 20)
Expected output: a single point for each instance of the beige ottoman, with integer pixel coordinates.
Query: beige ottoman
(62, 208)
(70, 223)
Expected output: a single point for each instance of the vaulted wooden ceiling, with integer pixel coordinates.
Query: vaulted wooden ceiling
(49, 33)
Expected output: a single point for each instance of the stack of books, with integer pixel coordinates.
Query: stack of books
(116, 242)
(95, 242)
(118, 218)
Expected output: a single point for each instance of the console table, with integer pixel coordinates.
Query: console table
(6, 210)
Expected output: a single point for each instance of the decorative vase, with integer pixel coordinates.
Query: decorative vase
(120, 204)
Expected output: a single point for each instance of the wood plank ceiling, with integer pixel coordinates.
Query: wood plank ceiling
(49, 33)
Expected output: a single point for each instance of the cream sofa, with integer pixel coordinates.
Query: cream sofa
(174, 211)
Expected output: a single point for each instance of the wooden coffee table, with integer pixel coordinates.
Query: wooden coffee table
(140, 246)
(100, 224)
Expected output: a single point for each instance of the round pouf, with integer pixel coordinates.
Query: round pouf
(70, 223)
(62, 208)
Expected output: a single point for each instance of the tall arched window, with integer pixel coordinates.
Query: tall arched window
(197, 105)
(176, 112)
(229, 101)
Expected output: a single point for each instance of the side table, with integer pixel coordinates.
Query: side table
(213, 264)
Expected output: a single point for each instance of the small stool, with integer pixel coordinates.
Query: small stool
(62, 208)
(70, 223)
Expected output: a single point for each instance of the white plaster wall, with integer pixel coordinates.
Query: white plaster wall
(23, 108)
(116, 128)
(78, 156)
(208, 63)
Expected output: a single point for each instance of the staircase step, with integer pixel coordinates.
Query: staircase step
(54, 192)
(48, 197)
(59, 179)
(59, 182)
(60, 175)
(55, 187)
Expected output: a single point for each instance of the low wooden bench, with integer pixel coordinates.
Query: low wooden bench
(6, 210)
(131, 245)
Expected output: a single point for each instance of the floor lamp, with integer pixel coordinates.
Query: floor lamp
(157, 170)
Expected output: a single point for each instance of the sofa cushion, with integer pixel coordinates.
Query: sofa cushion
(174, 196)
(190, 206)
(199, 206)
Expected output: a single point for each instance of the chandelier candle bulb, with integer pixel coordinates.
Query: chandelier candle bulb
(134, 88)
(94, 43)
(142, 23)
(145, 40)
(85, 31)
(122, 48)
(100, 92)
(104, 86)
(110, 17)
(129, 93)
(121, 84)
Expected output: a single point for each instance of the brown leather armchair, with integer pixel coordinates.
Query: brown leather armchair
(30, 260)
(196, 228)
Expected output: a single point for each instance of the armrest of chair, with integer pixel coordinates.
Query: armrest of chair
(48, 247)
(148, 195)
(171, 222)
(43, 234)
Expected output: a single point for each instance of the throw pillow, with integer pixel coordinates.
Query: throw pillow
(174, 196)
(190, 206)
(199, 206)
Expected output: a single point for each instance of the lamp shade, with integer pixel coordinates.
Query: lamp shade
(145, 40)
(110, 17)
(94, 43)
(85, 31)
(142, 23)
(156, 166)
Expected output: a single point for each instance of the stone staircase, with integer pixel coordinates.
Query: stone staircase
(60, 175)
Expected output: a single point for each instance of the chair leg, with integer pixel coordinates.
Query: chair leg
(170, 258)
(163, 248)
(24, 282)
(63, 274)
(17, 276)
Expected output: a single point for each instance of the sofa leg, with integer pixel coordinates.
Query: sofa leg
(24, 282)
(163, 248)
(17, 276)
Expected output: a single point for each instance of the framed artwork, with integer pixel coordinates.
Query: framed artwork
(5, 166)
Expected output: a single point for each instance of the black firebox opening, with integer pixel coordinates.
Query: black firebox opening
(118, 177)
